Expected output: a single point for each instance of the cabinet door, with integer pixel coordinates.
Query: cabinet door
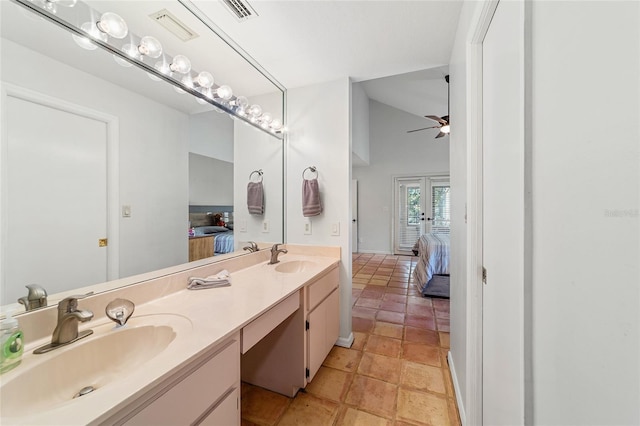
(226, 413)
(324, 328)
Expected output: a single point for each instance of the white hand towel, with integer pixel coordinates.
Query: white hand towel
(221, 279)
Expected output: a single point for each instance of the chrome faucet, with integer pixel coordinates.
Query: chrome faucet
(36, 298)
(274, 254)
(252, 247)
(66, 330)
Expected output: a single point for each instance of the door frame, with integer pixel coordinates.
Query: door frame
(112, 126)
(472, 413)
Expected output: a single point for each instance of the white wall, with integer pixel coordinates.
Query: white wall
(318, 118)
(211, 135)
(360, 125)
(254, 150)
(210, 181)
(393, 152)
(586, 186)
(153, 166)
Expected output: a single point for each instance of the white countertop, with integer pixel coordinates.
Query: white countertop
(215, 315)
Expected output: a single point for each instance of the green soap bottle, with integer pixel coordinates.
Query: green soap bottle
(11, 344)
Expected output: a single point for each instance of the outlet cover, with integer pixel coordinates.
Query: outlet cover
(242, 225)
(307, 227)
(335, 228)
(265, 226)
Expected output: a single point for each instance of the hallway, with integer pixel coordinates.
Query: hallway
(396, 371)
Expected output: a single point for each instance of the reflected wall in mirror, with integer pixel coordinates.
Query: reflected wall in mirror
(93, 151)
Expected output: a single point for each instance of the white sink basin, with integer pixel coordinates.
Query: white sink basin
(45, 381)
(293, 266)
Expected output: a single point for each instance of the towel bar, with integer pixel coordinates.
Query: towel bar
(313, 170)
(259, 172)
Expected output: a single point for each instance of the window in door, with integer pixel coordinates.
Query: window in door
(440, 207)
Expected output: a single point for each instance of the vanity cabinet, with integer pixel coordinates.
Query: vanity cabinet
(200, 247)
(207, 392)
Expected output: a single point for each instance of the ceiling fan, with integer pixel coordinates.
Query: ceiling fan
(443, 122)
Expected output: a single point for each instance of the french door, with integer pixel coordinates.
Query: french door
(421, 205)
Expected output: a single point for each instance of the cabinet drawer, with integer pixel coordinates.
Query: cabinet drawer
(191, 397)
(320, 289)
(253, 332)
(227, 412)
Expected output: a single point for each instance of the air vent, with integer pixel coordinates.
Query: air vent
(240, 9)
(173, 25)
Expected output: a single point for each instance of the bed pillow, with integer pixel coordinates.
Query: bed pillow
(206, 230)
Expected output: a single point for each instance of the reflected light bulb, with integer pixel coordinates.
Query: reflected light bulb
(224, 92)
(276, 124)
(180, 64)
(266, 118)
(445, 129)
(242, 102)
(163, 67)
(131, 51)
(201, 101)
(113, 25)
(255, 110)
(187, 81)
(150, 46)
(205, 79)
(91, 29)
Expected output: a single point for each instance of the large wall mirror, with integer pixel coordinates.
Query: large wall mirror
(96, 148)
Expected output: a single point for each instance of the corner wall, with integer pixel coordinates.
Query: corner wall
(318, 119)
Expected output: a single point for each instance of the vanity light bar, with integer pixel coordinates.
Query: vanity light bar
(73, 21)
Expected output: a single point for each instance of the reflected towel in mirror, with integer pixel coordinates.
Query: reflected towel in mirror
(255, 198)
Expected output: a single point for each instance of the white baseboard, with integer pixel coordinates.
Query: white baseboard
(345, 342)
(456, 389)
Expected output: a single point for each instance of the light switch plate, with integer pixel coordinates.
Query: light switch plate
(126, 211)
(335, 228)
(242, 225)
(307, 227)
(265, 226)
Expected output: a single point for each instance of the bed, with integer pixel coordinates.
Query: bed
(433, 258)
(207, 223)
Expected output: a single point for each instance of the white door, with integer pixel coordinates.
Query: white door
(354, 216)
(57, 181)
(503, 213)
(410, 212)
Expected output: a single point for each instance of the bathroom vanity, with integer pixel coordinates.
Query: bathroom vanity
(272, 327)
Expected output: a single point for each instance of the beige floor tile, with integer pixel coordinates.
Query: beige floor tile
(360, 312)
(422, 377)
(362, 325)
(368, 303)
(372, 395)
(359, 339)
(388, 329)
(425, 301)
(381, 367)
(358, 286)
(387, 316)
(388, 305)
(308, 410)
(379, 281)
(330, 383)
(423, 354)
(262, 406)
(395, 290)
(383, 346)
(421, 335)
(422, 407)
(343, 359)
(352, 417)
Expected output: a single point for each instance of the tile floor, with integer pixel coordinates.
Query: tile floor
(395, 373)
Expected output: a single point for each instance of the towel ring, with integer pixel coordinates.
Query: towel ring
(259, 172)
(313, 170)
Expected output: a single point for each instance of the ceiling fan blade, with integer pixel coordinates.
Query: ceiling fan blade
(445, 118)
(424, 128)
(440, 135)
(435, 118)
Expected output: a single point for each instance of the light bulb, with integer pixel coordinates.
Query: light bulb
(131, 51)
(50, 6)
(65, 3)
(180, 64)
(113, 25)
(224, 92)
(276, 124)
(445, 129)
(150, 46)
(91, 29)
(205, 79)
(255, 110)
(266, 118)
(240, 102)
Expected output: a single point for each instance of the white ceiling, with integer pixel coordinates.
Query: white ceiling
(303, 42)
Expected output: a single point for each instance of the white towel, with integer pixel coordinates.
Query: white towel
(311, 205)
(255, 198)
(221, 279)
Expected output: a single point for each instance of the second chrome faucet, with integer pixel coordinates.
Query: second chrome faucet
(66, 330)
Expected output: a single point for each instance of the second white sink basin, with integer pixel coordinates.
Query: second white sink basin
(45, 381)
(294, 266)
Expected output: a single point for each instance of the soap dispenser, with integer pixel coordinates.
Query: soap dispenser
(11, 344)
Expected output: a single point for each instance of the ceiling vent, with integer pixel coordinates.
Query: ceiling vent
(240, 9)
(173, 25)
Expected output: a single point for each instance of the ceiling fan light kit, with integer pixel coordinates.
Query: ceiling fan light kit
(443, 122)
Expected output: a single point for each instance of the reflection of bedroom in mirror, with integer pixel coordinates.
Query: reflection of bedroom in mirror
(102, 162)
